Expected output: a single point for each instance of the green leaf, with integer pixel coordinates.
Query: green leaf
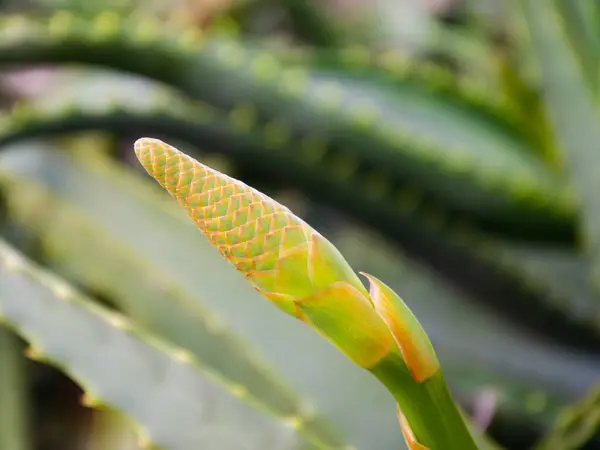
(178, 403)
(14, 398)
(404, 130)
(574, 114)
(312, 22)
(578, 21)
(576, 425)
(398, 69)
(399, 212)
(467, 49)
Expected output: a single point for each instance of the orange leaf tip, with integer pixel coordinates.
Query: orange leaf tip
(410, 337)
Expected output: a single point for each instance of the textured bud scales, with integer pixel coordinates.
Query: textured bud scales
(248, 228)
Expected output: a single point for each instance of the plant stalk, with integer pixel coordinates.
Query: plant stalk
(428, 407)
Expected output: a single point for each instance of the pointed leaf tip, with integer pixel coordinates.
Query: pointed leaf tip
(408, 333)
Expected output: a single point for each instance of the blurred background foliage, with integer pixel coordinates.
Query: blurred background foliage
(447, 146)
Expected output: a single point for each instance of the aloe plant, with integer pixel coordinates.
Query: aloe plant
(471, 185)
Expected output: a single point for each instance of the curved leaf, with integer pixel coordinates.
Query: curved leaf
(404, 131)
(532, 272)
(576, 425)
(573, 110)
(179, 404)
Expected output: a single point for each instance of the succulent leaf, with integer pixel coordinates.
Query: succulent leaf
(577, 19)
(110, 352)
(471, 164)
(577, 127)
(568, 306)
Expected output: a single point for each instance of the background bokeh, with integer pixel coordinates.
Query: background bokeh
(499, 280)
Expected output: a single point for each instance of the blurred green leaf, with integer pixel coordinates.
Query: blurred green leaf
(533, 269)
(403, 130)
(573, 112)
(337, 152)
(578, 22)
(14, 396)
(576, 425)
(165, 382)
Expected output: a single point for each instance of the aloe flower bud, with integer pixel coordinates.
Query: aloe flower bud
(302, 273)
(282, 257)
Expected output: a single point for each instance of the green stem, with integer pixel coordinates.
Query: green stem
(428, 407)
